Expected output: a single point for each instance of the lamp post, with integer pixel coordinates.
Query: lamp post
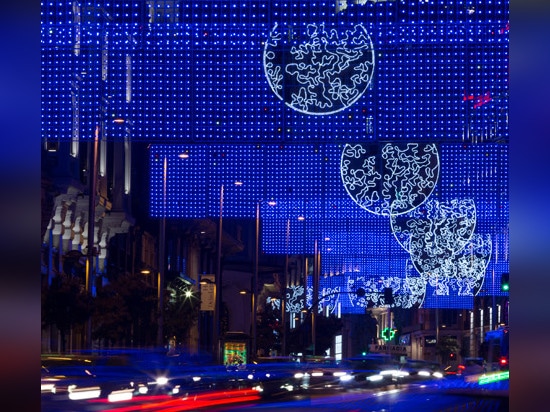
(285, 284)
(254, 348)
(91, 229)
(218, 299)
(218, 288)
(160, 281)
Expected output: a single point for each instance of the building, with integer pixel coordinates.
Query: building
(214, 95)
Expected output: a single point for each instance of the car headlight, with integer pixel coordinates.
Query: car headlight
(162, 380)
(375, 378)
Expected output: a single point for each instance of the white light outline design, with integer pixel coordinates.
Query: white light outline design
(328, 298)
(323, 69)
(408, 292)
(435, 229)
(464, 272)
(294, 298)
(443, 247)
(396, 182)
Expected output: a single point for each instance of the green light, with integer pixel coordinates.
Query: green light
(387, 334)
(505, 288)
(493, 377)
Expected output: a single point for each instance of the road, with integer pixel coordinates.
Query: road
(446, 395)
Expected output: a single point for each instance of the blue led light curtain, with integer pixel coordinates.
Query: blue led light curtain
(276, 93)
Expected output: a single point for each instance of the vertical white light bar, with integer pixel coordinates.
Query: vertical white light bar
(472, 343)
(103, 155)
(128, 78)
(127, 165)
(481, 325)
(105, 57)
(76, 121)
(76, 20)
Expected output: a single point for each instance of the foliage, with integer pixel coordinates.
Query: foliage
(181, 311)
(65, 304)
(268, 330)
(445, 346)
(126, 312)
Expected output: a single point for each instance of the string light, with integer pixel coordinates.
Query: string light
(191, 79)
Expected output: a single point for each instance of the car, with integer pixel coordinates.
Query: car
(420, 369)
(278, 376)
(372, 370)
(473, 366)
(78, 377)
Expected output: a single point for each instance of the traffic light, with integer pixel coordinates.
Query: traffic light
(388, 296)
(505, 282)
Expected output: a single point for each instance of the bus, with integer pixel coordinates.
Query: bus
(495, 349)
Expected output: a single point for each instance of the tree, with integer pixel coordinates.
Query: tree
(268, 330)
(445, 346)
(65, 304)
(181, 310)
(126, 312)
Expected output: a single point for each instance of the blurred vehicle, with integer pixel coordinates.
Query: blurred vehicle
(473, 366)
(454, 369)
(495, 349)
(279, 376)
(371, 370)
(78, 377)
(419, 369)
(326, 374)
(175, 374)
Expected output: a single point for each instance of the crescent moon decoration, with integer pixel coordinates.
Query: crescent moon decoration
(391, 181)
(316, 70)
(294, 299)
(436, 230)
(462, 274)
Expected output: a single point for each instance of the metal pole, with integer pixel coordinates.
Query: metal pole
(285, 283)
(91, 229)
(315, 293)
(255, 282)
(160, 281)
(218, 290)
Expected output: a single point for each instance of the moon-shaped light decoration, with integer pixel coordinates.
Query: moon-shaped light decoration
(391, 179)
(462, 274)
(435, 230)
(318, 70)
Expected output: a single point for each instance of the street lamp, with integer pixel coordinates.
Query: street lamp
(218, 280)
(256, 270)
(91, 228)
(162, 240)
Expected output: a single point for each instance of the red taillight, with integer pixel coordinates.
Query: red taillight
(503, 361)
